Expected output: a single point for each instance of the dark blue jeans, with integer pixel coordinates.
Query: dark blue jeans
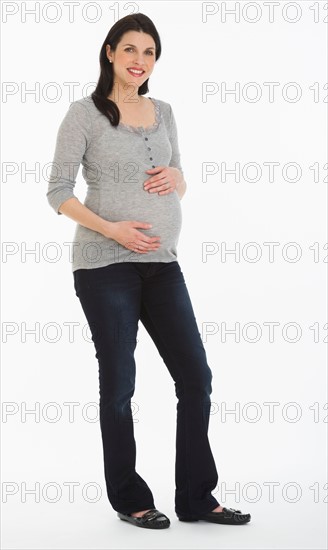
(113, 299)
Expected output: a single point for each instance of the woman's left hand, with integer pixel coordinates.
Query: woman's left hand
(164, 181)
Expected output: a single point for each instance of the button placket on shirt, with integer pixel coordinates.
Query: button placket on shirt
(149, 149)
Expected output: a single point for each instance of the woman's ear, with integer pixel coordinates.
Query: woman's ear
(108, 51)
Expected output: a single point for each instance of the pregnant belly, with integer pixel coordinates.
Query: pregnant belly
(163, 212)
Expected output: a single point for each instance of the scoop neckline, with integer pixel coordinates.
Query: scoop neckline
(140, 129)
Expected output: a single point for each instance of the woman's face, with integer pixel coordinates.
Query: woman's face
(134, 58)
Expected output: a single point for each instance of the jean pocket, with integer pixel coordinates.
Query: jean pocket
(80, 281)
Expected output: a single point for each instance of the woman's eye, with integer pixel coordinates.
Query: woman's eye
(129, 49)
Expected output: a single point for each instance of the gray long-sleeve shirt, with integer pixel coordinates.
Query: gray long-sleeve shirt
(114, 162)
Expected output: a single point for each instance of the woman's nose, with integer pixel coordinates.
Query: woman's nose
(139, 60)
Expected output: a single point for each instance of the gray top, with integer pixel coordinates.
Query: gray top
(114, 161)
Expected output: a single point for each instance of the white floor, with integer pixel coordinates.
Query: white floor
(84, 526)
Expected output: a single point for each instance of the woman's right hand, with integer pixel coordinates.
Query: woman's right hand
(127, 235)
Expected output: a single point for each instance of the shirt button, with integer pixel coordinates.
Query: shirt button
(146, 139)
(149, 148)
(153, 166)
(150, 158)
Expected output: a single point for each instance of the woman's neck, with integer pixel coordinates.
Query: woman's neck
(126, 99)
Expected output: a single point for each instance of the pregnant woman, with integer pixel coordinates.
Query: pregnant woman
(125, 268)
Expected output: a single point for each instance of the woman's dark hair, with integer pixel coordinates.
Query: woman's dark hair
(133, 22)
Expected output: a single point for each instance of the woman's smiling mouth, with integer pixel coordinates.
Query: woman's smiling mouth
(136, 72)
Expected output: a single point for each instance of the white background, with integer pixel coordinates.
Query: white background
(251, 451)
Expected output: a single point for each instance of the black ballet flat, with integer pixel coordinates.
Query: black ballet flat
(153, 519)
(229, 516)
